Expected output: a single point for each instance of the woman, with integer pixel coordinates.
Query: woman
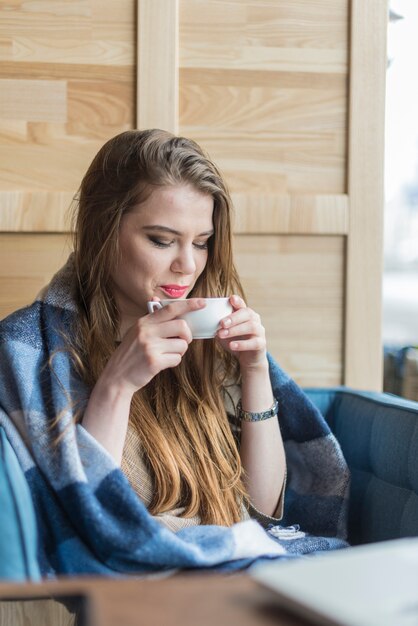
(98, 391)
(154, 222)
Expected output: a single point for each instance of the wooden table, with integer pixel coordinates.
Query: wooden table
(181, 600)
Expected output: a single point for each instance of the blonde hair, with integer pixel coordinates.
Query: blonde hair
(180, 415)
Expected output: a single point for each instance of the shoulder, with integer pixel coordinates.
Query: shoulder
(53, 312)
(23, 326)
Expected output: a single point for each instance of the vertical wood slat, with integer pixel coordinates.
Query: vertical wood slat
(157, 67)
(363, 362)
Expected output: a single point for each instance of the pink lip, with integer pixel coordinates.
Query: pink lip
(174, 291)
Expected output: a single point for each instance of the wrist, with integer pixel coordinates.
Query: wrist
(257, 370)
(113, 390)
(258, 416)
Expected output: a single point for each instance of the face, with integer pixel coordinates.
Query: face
(163, 249)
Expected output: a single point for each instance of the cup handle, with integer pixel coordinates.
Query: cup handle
(152, 306)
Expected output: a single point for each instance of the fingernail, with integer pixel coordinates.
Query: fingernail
(227, 322)
(223, 333)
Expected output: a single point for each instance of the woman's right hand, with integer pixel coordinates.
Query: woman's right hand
(155, 342)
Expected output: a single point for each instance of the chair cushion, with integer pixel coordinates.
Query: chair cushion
(18, 533)
(378, 434)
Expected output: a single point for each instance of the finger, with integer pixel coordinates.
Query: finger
(250, 327)
(146, 330)
(170, 360)
(239, 316)
(174, 346)
(248, 345)
(175, 309)
(175, 328)
(237, 302)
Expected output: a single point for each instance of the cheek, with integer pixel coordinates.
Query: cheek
(202, 262)
(153, 268)
(134, 259)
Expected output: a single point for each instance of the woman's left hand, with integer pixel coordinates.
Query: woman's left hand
(243, 334)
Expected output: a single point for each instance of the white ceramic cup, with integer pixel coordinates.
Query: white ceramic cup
(204, 322)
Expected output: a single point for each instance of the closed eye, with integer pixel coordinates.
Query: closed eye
(159, 243)
(201, 246)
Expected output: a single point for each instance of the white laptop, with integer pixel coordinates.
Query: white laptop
(370, 585)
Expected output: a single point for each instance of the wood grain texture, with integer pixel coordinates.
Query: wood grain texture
(317, 24)
(263, 87)
(67, 84)
(286, 35)
(99, 104)
(72, 50)
(33, 100)
(255, 213)
(284, 59)
(363, 334)
(52, 164)
(49, 70)
(260, 213)
(289, 162)
(157, 87)
(41, 211)
(27, 263)
(296, 284)
(190, 600)
(35, 613)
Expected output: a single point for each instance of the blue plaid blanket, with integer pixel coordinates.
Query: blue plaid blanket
(90, 521)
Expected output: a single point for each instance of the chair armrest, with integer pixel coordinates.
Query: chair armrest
(18, 531)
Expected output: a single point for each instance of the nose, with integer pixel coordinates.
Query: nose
(184, 262)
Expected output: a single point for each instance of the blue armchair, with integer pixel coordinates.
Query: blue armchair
(17, 519)
(378, 434)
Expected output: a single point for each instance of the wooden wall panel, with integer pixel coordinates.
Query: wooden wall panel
(67, 84)
(266, 93)
(157, 76)
(27, 263)
(38, 211)
(33, 100)
(296, 284)
(263, 86)
(265, 213)
(363, 322)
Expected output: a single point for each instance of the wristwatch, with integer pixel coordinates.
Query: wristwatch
(249, 416)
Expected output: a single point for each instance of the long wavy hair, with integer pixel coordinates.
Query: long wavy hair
(179, 415)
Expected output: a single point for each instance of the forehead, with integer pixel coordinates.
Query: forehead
(176, 206)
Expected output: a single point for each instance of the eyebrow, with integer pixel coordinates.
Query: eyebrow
(166, 229)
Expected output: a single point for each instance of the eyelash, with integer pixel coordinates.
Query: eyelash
(162, 244)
